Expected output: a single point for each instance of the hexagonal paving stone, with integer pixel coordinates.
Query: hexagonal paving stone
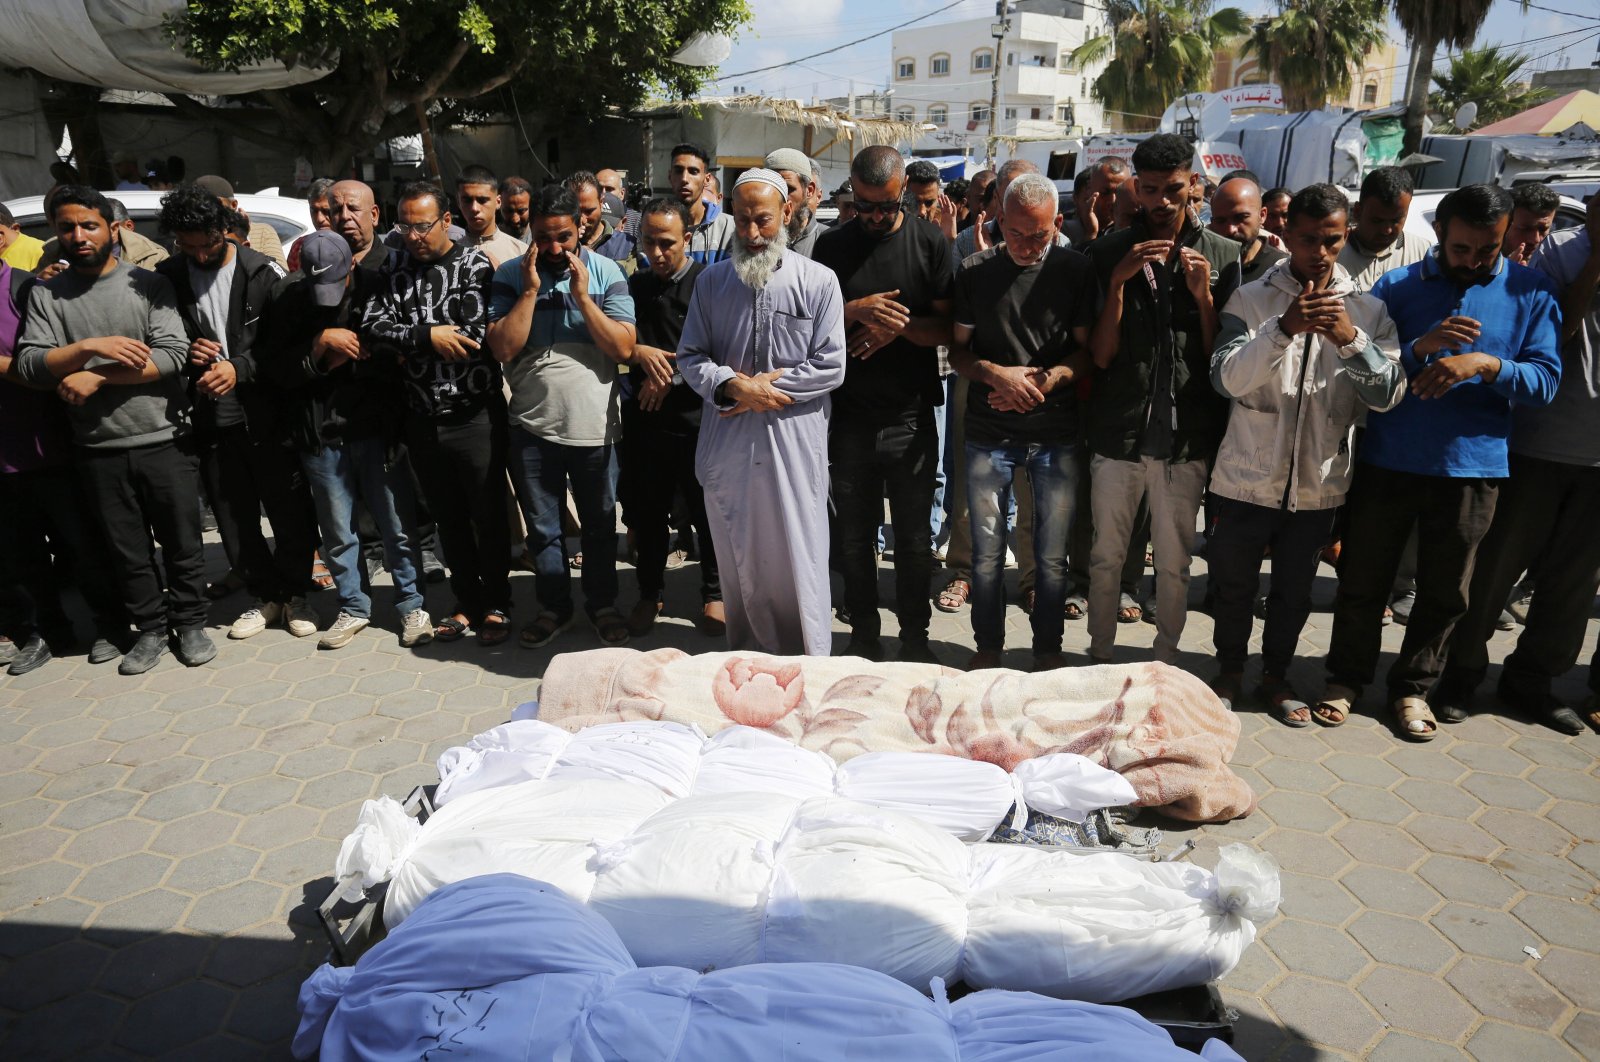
(298, 863)
(1299, 811)
(239, 767)
(1362, 770)
(259, 795)
(1577, 819)
(163, 773)
(135, 726)
(1451, 837)
(34, 845)
(1478, 931)
(148, 750)
(220, 743)
(213, 716)
(1583, 1033)
(1369, 804)
(276, 714)
(1371, 842)
(122, 878)
(342, 709)
(387, 755)
(294, 737)
(213, 869)
(1398, 892)
(319, 687)
(106, 842)
(1567, 785)
(1255, 970)
(84, 781)
(1496, 1043)
(179, 1015)
(1401, 941)
(360, 734)
(1298, 776)
(96, 808)
(1498, 791)
(231, 909)
(1494, 759)
(275, 828)
(1510, 993)
(335, 789)
(1307, 852)
(1586, 856)
(1572, 922)
(1307, 948)
(1403, 1047)
(187, 798)
(1520, 830)
(1433, 797)
(1326, 1013)
(257, 694)
(54, 974)
(196, 833)
(156, 911)
(155, 963)
(70, 1028)
(1545, 874)
(1417, 1003)
(1311, 899)
(1573, 973)
(1469, 880)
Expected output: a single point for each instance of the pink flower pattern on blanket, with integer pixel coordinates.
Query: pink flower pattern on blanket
(1159, 727)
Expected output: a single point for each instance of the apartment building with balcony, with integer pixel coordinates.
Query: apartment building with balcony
(942, 75)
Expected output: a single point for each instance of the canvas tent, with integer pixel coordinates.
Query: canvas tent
(1556, 116)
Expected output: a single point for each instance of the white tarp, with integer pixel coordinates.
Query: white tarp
(1310, 147)
(119, 44)
(1471, 158)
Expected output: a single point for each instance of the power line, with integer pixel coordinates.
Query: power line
(1568, 14)
(842, 47)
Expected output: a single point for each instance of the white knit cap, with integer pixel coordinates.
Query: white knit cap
(764, 176)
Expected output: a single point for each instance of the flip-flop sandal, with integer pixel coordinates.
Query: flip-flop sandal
(576, 563)
(1129, 610)
(1417, 722)
(611, 627)
(1291, 710)
(494, 629)
(449, 629)
(953, 598)
(320, 576)
(1334, 708)
(1076, 607)
(542, 630)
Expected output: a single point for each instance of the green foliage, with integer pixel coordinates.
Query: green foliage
(1311, 47)
(1485, 76)
(1156, 51)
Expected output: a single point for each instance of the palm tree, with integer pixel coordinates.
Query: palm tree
(1155, 51)
(1312, 47)
(1483, 77)
(1428, 24)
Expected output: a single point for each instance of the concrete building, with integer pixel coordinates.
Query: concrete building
(1377, 84)
(1571, 79)
(942, 75)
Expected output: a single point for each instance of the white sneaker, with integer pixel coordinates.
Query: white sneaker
(344, 628)
(416, 628)
(300, 618)
(255, 619)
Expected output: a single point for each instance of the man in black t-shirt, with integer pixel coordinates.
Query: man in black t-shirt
(1022, 315)
(894, 271)
(661, 423)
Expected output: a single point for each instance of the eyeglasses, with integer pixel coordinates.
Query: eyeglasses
(420, 228)
(889, 209)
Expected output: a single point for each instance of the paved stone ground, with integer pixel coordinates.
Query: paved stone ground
(165, 839)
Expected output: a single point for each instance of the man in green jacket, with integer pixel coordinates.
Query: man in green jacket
(1155, 421)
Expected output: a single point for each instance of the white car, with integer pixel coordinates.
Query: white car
(1424, 205)
(291, 218)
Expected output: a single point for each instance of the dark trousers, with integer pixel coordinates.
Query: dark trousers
(462, 470)
(1240, 534)
(543, 472)
(1451, 516)
(1548, 516)
(48, 539)
(242, 477)
(655, 466)
(866, 461)
(147, 491)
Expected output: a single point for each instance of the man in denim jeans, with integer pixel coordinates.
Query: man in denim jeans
(561, 321)
(1022, 316)
(344, 419)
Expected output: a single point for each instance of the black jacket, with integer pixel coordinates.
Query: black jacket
(252, 402)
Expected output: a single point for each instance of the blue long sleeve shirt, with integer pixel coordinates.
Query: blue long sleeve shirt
(1462, 434)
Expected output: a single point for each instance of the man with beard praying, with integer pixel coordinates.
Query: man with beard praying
(763, 345)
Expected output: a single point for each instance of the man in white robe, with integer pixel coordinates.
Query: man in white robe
(763, 345)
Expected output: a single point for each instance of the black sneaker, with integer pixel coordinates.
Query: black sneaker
(866, 648)
(195, 647)
(917, 651)
(105, 648)
(144, 654)
(35, 653)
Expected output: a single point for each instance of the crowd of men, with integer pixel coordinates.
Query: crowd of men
(510, 365)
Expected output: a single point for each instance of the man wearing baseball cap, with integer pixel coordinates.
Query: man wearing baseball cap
(344, 421)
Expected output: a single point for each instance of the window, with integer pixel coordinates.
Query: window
(939, 115)
(1011, 58)
(1369, 93)
(939, 66)
(980, 113)
(1011, 114)
(905, 69)
(1066, 65)
(1035, 113)
(1064, 113)
(1083, 87)
(982, 60)
(905, 114)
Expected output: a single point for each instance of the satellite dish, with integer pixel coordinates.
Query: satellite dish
(1466, 114)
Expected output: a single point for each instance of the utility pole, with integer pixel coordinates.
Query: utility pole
(997, 30)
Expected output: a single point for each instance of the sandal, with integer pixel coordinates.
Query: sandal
(450, 629)
(1130, 611)
(1027, 602)
(1416, 719)
(1292, 711)
(542, 630)
(494, 628)
(1591, 710)
(320, 576)
(611, 627)
(1334, 708)
(576, 563)
(1076, 607)
(953, 598)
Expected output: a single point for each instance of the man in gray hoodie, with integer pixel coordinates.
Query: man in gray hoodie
(109, 338)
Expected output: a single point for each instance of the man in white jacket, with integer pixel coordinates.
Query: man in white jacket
(1304, 355)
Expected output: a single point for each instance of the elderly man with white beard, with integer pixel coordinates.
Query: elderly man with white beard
(763, 345)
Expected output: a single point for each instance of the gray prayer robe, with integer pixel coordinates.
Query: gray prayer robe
(766, 474)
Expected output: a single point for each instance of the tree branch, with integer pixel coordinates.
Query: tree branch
(227, 120)
(425, 92)
(488, 85)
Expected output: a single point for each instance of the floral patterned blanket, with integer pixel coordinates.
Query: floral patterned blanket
(1158, 726)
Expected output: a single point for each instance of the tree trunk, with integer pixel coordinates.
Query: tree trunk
(1422, 50)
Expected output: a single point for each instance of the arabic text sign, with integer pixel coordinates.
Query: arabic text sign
(1242, 96)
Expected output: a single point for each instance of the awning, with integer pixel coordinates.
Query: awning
(1556, 116)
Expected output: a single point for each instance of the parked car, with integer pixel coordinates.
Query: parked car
(291, 218)
(1424, 204)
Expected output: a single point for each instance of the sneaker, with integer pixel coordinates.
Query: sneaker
(144, 654)
(300, 618)
(104, 649)
(195, 647)
(35, 653)
(415, 629)
(252, 621)
(344, 628)
(1401, 606)
(1506, 622)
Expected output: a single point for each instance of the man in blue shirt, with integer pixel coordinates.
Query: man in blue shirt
(561, 321)
(1478, 333)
